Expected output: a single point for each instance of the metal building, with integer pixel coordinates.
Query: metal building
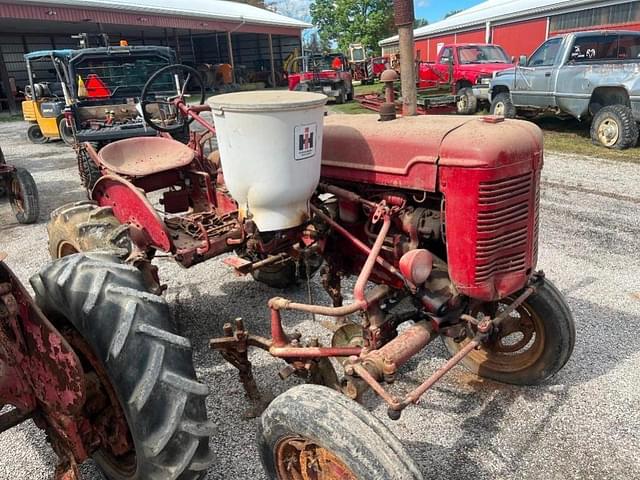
(201, 31)
(520, 26)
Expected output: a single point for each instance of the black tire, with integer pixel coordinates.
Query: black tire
(614, 127)
(557, 330)
(341, 97)
(87, 169)
(468, 103)
(23, 195)
(84, 227)
(341, 426)
(148, 365)
(66, 134)
(34, 134)
(503, 105)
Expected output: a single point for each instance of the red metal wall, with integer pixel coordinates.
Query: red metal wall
(427, 49)
(475, 36)
(520, 38)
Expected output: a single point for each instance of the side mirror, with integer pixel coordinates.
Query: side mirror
(523, 60)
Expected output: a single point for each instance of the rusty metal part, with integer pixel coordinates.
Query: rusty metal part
(234, 348)
(362, 247)
(374, 366)
(299, 458)
(243, 266)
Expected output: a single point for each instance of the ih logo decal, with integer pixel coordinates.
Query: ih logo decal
(306, 138)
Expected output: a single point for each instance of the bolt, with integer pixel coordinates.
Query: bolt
(350, 390)
(239, 324)
(228, 330)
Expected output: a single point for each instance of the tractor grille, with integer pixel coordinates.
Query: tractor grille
(503, 223)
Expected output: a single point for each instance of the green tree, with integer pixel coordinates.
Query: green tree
(353, 21)
(451, 12)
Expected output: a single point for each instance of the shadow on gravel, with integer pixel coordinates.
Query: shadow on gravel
(479, 429)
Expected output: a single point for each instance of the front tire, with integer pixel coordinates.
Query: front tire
(23, 196)
(503, 106)
(147, 364)
(467, 103)
(310, 421)
(35, 135)
(66, 134)
(614, 127)
(88, 171)
(536, 348)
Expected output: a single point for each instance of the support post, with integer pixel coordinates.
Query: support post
(404, 17)
(6, 85)
(176, 38)
(273, 62)
(231, 60)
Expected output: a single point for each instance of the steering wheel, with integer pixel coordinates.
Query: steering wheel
(174, 71)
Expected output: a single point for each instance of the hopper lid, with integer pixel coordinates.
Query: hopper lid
(266, 101)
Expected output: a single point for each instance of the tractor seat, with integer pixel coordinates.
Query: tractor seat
(141, 156)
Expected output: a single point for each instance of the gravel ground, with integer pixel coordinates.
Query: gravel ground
(583, 424)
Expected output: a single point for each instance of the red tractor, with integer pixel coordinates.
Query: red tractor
(18, 184)
(439, 214)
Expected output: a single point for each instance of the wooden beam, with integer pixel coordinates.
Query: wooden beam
(273, 63)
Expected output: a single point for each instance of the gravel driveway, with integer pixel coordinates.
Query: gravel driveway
(584, 424)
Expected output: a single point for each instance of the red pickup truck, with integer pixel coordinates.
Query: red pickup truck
(473, 65)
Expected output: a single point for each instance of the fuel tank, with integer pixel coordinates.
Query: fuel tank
(486, 169)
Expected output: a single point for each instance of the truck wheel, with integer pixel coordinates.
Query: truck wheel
(467, 104)
(615, 127)
(503, 106)
(85, 226)
(341, 97)
(153, 405)
(23, 196)
(315, 432)
(34, 134)
(529, 351)
(89, 171)
(66, 134)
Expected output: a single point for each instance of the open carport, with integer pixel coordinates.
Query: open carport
(202, 31)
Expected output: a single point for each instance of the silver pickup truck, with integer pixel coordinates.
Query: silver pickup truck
(592, 76)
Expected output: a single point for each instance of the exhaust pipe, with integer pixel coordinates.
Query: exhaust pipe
(404, 17)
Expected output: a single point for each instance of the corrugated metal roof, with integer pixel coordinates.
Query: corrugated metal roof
(205, 9)
(493, 11)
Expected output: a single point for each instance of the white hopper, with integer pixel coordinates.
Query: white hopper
(270, 147)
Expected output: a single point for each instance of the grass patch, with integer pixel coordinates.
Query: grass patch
(365, 89)
(350, 108)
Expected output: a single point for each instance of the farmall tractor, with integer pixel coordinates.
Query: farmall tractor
(437, 218)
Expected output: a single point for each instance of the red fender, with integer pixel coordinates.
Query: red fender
(131, 206)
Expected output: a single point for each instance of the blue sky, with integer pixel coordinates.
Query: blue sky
(434, 10)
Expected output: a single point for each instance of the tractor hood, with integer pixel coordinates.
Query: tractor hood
(407, 152)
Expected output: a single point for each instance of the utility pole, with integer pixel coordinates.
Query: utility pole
(404, 17)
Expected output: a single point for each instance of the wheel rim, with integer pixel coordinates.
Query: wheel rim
(517, 346)
(17, 198)
(117, 448)
(298, 458)
(462, 103)
(66, 248)
(608, 132)
(499, 109)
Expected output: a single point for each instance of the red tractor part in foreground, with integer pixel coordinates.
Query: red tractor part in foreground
(18, 184)
(440, 214)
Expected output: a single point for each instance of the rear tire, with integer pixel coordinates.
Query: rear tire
(341, 98)
(35, 135)
(84, 227)
(503, 106)
(23, 195)
(545, 354)
(149, 366)
(614, 127)
(468, 103)
(338, 427)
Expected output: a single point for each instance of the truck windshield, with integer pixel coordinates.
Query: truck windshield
(482, 54)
